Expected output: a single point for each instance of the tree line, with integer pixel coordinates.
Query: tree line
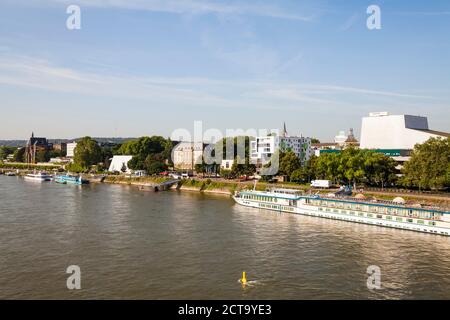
(428, 168)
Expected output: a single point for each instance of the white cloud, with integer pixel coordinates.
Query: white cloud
(191, 92)
(191, 7)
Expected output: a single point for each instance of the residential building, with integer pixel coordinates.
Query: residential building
(185, 155)
(70, 147)
(61, 146)
(262, 148)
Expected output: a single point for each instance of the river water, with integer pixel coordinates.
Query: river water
(181, 245)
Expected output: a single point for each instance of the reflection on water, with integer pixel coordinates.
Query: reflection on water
(172, 245)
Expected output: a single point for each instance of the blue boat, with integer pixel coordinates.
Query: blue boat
(69, 179)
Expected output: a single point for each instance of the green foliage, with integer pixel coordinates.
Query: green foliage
(149, 153)
(5, 151)
(225, 173)
(28, 166)
(242, 169)
(299, 175)
(19, 155)
(76, 168)
(289, 163)
(154, 165)
(87, 153)
(351, 166)
(42, 155)
(55, 154)
(429, 167)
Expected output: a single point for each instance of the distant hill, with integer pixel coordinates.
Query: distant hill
(21, 143)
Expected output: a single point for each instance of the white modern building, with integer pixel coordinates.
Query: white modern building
(71, 149)
(262, 148)
(118, 163)
(380, 130)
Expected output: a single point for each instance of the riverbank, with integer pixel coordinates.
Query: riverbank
(229, 187)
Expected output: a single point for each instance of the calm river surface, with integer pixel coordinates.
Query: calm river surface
(181, 245)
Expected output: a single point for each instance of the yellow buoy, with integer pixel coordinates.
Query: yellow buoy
(244, 278)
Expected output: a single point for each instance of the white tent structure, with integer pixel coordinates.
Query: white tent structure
(118, 163)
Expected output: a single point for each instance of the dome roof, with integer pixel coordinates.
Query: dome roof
(399, 200)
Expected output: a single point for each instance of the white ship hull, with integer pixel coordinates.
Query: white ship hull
(314, 211)
(37, 178)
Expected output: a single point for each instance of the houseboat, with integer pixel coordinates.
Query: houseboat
(380, 213)
(40, 177)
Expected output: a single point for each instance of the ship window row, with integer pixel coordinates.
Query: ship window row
(260, 198)
(275, 207)
(379, 216)
(414, 213)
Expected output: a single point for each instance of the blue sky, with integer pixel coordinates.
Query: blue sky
(141, 67)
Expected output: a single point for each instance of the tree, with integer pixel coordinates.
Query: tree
(289, 162)
(380, 169)
(87, 153)
(154, 165)
(352, 166)
(242, 169)
(201, 168)
(5, 151)
(157, 147)
(299, 175)
(225, 173)
(42, 155)
(429, 165)
(19, 155)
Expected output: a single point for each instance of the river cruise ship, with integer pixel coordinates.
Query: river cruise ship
(380, 213)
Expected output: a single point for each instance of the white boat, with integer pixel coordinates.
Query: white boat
(41, 176)
(380, 213)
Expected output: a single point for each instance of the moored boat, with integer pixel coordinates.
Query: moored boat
(41, 176)
(380, 213)
(70, 179)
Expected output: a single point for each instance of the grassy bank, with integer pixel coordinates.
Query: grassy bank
(134, 180)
